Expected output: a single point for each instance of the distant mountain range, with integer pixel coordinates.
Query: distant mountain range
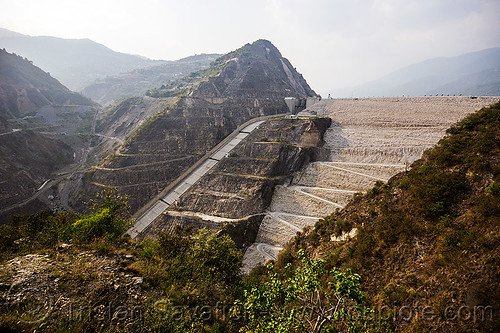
(138, 81)
(476, 73)
(75, 62)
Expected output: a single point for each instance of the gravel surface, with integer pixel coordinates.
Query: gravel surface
(370, 139)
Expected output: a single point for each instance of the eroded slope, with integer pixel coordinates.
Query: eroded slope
(247, 83)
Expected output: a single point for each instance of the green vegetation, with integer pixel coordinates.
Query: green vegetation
(308, 298)
(426, 247)
(427, 238)
(45, 230)
(190, 281)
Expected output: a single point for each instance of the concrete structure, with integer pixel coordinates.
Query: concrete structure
(296, 105)
(188, 179)
(370, 140)
(312, 100)
(290, 102)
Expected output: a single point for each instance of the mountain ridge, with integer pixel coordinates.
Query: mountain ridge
(139, 81)
(443, 75)
(193, 115)
(75, 62)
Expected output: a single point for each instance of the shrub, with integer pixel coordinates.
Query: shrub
(108, 219)
(305, 298)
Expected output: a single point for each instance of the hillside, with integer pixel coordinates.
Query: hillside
(193, 115)
(137, 82)
(426, 253)
(426, 243)
(476, 73)
(75, 62)
(25, 88)
(44, 126)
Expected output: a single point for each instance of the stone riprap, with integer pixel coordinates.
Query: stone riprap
(234, 195)
(370, 139)
(185, 184)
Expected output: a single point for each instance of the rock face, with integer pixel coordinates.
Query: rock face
(249, 82)
(234, 195)
(31, 101)
(255, 71)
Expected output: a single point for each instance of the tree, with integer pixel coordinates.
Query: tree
(307, 299)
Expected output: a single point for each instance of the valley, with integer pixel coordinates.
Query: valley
(193, 174)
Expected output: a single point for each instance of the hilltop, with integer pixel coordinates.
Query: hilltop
(75, 62)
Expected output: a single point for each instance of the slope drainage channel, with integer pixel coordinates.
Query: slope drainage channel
(185, 184)
(282, 226)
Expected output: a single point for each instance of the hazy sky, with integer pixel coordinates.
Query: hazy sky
(332, 43)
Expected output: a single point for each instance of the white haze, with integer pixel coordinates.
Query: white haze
(332, 43)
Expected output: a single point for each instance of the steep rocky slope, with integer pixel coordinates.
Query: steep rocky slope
(427, 241)
(43, 128)
(249, 82)
(236, 192)
(27, 160)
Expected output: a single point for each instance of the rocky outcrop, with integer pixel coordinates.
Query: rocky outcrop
(71, 287)
(256, 70)
(244, 84)
(236, 193)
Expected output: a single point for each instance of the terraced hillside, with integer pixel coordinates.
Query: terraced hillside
(237, 191)
(207, 106)
(369, 140)
(43, 127)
